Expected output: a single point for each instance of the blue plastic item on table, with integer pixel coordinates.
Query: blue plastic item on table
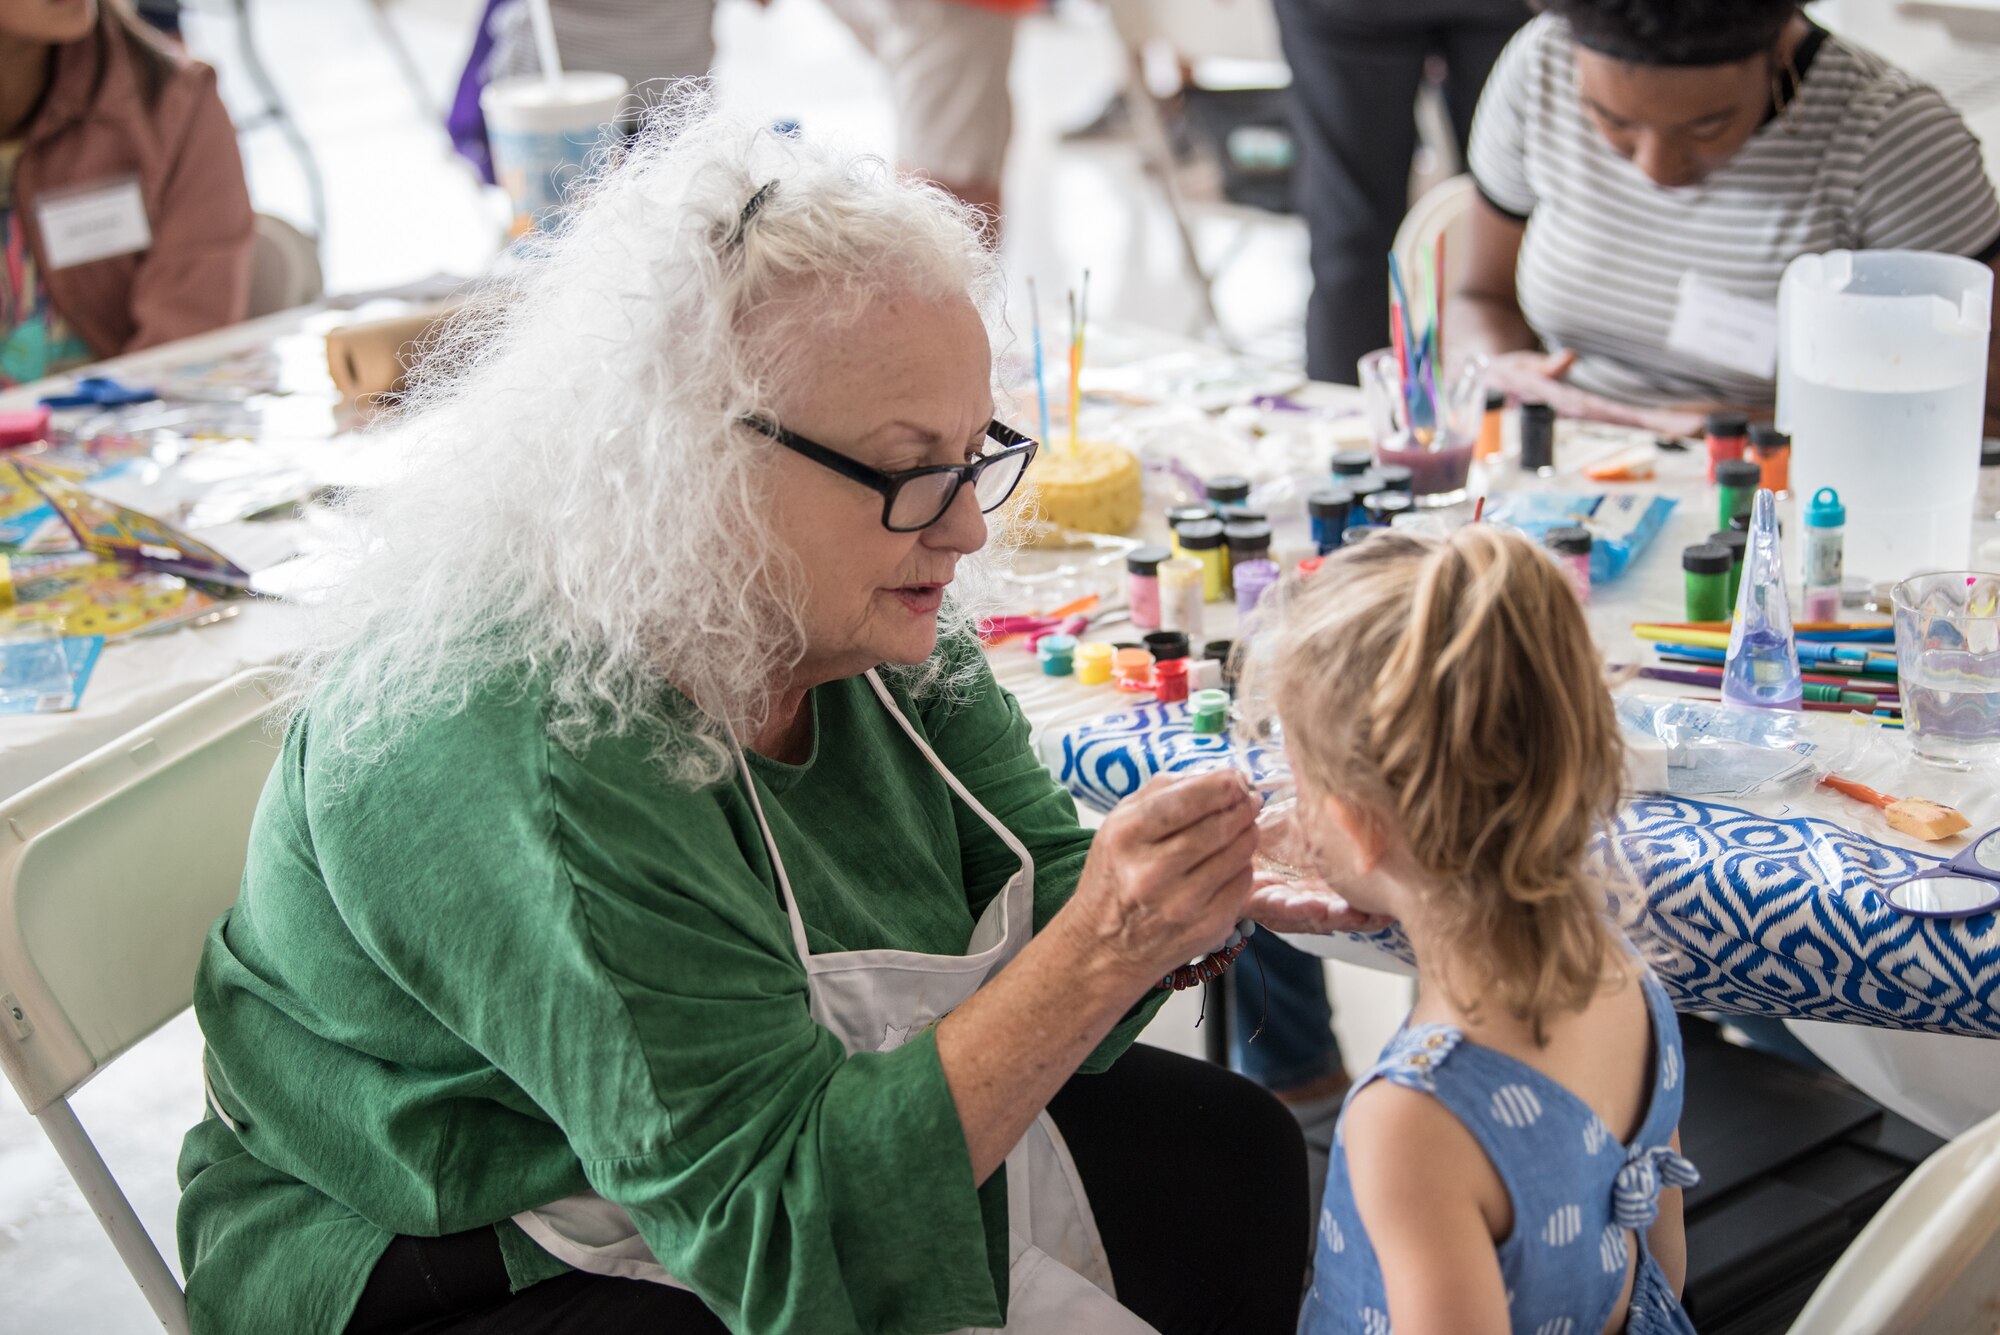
(1621, 526)
(99, 392)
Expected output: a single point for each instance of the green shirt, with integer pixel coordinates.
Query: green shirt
(486, 972)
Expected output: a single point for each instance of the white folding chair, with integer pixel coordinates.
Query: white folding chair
(111, 873)
(1929, 1261)
(1445, 210)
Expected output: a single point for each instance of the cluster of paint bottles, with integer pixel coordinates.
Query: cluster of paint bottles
(1162, 669)
(1744, 460)
(1362, 497)
(1163, 666)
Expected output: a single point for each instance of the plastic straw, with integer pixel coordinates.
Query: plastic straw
(1041, 380)
(545, 39)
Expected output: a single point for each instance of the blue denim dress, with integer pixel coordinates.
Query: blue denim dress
(1581, 1199)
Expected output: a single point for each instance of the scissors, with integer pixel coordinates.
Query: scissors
(1965, 885)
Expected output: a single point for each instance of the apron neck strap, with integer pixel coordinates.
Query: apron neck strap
(999, 828)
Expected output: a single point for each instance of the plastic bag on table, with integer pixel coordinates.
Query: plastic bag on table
(1716, 750)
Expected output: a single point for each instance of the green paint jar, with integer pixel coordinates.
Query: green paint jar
(1707, 572)
(1738, 543)
(1736, 483)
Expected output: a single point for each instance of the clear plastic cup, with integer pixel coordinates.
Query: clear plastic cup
(1948, 663)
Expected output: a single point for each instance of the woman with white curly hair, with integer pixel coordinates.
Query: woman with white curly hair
(657, 915)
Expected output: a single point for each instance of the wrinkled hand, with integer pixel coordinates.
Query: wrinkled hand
(1285, 895)
(1539, 377)
(1307, 906)
(1168, 874)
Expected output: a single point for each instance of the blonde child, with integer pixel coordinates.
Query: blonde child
(1510, 1162)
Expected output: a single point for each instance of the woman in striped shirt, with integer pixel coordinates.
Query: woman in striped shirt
(1647, 169)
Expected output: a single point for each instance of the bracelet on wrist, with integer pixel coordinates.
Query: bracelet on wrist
(1212, 965)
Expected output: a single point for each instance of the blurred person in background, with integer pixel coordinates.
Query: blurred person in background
(1357, 66)
(124, 217)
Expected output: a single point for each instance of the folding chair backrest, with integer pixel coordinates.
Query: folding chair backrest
(111, 872)
(1445, 210)
(1929, 1261)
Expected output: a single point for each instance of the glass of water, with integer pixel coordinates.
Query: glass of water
(1948, 659)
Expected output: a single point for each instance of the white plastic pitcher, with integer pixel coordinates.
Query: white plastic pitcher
(1882, 385)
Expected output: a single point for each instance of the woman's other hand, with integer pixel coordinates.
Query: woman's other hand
(1540, 377)
(1308, 907)
(1169, 873)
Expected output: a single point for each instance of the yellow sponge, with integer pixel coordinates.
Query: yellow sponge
(1093, 489)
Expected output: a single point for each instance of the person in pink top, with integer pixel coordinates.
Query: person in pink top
(124, 217)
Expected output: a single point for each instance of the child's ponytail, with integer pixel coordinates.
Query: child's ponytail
(1451, 689)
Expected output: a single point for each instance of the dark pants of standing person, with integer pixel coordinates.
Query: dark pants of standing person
(1196, 1176)
(1356, 68)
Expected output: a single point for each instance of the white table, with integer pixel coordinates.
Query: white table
(138, 678)
(1940, 1081)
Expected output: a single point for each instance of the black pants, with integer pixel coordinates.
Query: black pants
(1197, 1178)
(1356, 68)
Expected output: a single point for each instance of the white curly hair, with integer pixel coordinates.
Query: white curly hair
(577, 503)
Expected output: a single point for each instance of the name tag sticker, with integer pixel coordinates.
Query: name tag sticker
(1725, 328)
(93, 222)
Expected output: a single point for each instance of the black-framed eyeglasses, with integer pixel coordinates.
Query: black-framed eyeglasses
(1959, 888)
(916, 498)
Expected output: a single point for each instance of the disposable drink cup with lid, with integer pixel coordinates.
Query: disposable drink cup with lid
(543, 131)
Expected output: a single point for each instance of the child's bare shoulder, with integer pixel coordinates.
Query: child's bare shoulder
(1410, 1159)
(1393, 1129)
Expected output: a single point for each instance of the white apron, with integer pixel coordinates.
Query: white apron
(1059, 1282)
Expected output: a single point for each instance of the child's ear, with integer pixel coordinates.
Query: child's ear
(1365, 836)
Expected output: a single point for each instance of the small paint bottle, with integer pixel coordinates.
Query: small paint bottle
(1571, 546)
(1058, 655)
(1093, 663)
(1351, 463)
(1771, 450)
(1738, 543)
(1329, 511)
(1208, 711)
(1361, 487)
(1706, 567)
(1360, 533)
(1132, 671)
(1383, 508)
(1222, 654)
(1538, 439)
(1254, 579)
(1167, 645)
(1227, 493)
(1246, 542)
(1826, 528)
(1396, 479)
(1205, 543)
(1170, 681)
(1182, 592)
(1142, 585)
(1490, 426)
(1188, 514)
(1736, 485)
(1728, 437)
